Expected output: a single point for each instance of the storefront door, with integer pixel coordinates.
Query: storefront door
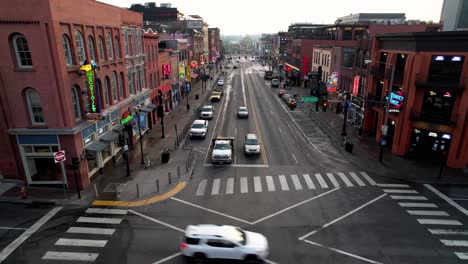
(429, 146)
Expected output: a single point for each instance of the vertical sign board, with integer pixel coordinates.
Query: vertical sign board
(166, 68)
(93, 94)
(356, 86)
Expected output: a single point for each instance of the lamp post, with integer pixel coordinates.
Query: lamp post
(141, 136)
(383, 138)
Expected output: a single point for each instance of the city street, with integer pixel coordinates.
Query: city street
(312, 204)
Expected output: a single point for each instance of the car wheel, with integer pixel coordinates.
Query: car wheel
(252, 259)
(199, 258)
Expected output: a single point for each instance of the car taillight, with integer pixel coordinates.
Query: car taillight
(183, 246)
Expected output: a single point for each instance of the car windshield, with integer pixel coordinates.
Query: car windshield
(222, 146)
(198, 126)
(206, 109)
(242, 110)
(251, 141)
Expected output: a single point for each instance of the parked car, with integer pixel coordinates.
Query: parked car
(275, 83)
(215, 97)
(199, 128)
(281, 92)
(242, 112)
(220, 82)
(292, 103)
(207, 112)
(268, 75)
(251, 144)
(202, 242)
(286, 97)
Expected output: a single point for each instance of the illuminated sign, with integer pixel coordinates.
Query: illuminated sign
(356, 85)
(126, 117)
(92, 91)
(332, 82)
(446, 136)
(396, 99)
(432, 134)
(166, 68)
(193, 64)
(181, 71)
(447, 94)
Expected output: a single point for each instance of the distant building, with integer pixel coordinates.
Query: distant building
(454, 15)
(375, 18)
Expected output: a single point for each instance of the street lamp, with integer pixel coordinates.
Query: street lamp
(383, 138)
(141, 136)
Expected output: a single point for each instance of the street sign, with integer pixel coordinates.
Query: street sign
(311, 99)
(384, 130)
(59, 156)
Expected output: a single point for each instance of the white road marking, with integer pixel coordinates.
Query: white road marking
(293, 206)
(270, 262)
(230, 186)
(80, 242)
(447, 199)
(216, 186)
(54, 255)
(455, 243)
(357, 179)
(168, 258)
(308, 180)
(431, 213)
(106, 211)
(404, 197)
(296, 182)
(421, 205)
(241, 165)
(368, 178)
(321, 181)
(89, 230)
(462, 255)
(294, 156)
(13, 228)
(343, 216)
(270, 184)
(209, 210)
(439, 222)
(391, 185)
(333, 180)
(96, 220)
(157, 221)
(448, 232)
(345, 179)
(400, 191)
(257, 184)
(201, 187)
(26, 234)
(244, 185)
(283, 183)
(342, 252)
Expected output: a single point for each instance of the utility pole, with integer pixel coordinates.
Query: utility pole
(141, 136)
(383, 141)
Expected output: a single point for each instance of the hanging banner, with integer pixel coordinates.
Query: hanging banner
(356, 86)
(93, 95)
(332, 82)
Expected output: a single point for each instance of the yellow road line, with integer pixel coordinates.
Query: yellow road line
(179, 187)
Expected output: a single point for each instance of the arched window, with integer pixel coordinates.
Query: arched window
(117, 48)
(127, 44)
(110, 48)
(80, 49)
(137, 79)
(143, 77)
(102, 55)
(35, 107)
(67, 50)
(23, 55)
(92, 49)
(121, 85)
(85, 96)
(130, 81)
(151, 80)
(76, 102)
(106, 91)
(115, 96)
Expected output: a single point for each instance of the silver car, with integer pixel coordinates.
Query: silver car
(242, 112)
(207, 112)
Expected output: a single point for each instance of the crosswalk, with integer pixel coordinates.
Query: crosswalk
(292, 182)
(96, 225)
(438, 222)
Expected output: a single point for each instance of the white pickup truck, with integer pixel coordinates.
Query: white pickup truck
(222, 150)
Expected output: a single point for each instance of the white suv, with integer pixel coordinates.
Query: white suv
(223, 242)
(199, 128)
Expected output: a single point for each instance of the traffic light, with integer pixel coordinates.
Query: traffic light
(75, 163)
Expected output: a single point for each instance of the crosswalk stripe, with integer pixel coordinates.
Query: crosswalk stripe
(201, 188)
(309, 182)
(230, 186)
(357, 179)
(333, 180)
(296, 182)
(431, 213)
(54, 255)
(438, 222)
(448, 232)
(270, 184)
(399, 191)
(106, 211)
(321, 181)
(455, 243)
(89, 230)
(80, 242)
(257, 184)
(421, 205)
(99, 220)
(408, 197)
(462, 255)
(216, 186)
(368, 178)
(244, 186)
(392, 185)
(345, 179)
(283, 183)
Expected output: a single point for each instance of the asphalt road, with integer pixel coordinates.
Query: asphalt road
(312, 204)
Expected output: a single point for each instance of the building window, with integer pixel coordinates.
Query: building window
(117, 48)
(121, 85)
(115, 96)
(130, 81)
(110, 48)
(438, 104)
(106, 90)
(35, 108)
(446, 68)
(142, 78)
(102, 55)
(23, 55)
(137, 79)
(151, 80)
(127, 47)
(67, 50)
(85, 97)
(80, 50)
(76, 102)
(92, 50)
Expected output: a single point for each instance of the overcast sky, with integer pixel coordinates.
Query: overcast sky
(239, 17)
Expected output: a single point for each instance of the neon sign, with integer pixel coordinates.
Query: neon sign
(92, 91)
(126, 117)
(166, 68)
(396, 99)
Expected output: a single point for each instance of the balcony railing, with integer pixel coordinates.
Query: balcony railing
(430, 117)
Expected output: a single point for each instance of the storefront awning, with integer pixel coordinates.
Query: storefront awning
(153, 106)
(148, 108)
(97, 146)
(109, 136)
(118, 128)
(293, 67)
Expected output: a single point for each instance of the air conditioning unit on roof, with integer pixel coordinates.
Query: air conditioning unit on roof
(165, 5)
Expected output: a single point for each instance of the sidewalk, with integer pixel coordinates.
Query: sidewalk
(159, 178)
(366, 151)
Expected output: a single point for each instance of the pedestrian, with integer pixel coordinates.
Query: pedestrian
(188, 107)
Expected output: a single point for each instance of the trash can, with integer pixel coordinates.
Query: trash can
(349, 147)
(165, 156)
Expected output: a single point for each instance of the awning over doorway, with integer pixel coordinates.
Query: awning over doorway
(109, 136)
(97, 146)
